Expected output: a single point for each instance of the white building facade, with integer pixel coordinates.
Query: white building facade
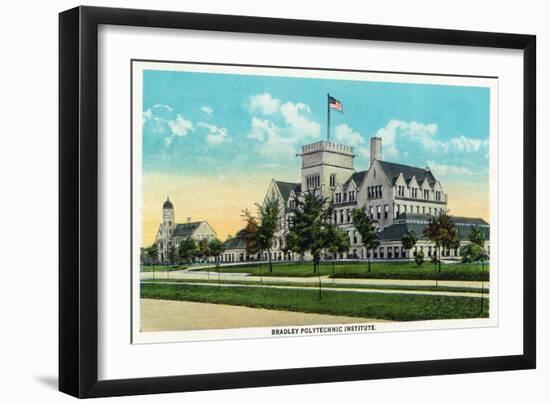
(396, 197)
(171, 233)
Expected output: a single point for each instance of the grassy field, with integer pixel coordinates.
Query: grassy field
(368, 305)
(315, 284)
(379, 270)
(161, 268)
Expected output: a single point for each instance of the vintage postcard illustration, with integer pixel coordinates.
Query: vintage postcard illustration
(275, 202)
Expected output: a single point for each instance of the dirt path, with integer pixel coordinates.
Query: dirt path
(170, 315)
(236, 277)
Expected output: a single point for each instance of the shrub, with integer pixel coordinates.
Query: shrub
(419, 258)
(471, 253)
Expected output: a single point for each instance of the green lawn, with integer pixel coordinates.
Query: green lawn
(397, 307)
(379, 270)
(161, 268)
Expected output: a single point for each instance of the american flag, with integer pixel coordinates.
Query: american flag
(335, 104)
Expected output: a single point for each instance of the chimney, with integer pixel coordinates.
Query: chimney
(375, 149)
(188, 219)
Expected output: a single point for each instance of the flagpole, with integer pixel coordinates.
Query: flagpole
(328, 117)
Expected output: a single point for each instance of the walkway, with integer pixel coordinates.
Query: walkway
(327, 288)
(168, 315)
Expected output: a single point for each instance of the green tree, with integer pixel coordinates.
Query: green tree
(442, 231)
(172, 254)
(409, 240)
(364, 225)
(476, 236)
(268, 214)
(203, 249)
(338, 242)
(310, 227)
(250, 233)
(187, 250)
(216, 247)
(153, 255)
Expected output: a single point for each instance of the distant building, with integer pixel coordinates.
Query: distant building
(172, 233)
(396, 197)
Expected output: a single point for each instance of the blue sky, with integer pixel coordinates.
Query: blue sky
(212, 124)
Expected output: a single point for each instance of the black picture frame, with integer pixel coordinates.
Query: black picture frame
(78, 200)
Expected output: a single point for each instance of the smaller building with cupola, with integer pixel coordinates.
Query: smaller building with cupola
(171, 233)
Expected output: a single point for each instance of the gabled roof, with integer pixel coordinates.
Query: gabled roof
(185, 229)
(236, 243)
(285, 188)
(392, 171)
(357, 177)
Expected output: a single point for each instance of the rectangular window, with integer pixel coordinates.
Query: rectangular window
(332, 180)
(354, 237)
(381, 252)
(342, 216)
(386, 211)
(378, 212)
(348, 214)
(371, 212)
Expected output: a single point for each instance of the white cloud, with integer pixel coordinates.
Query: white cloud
(388, 134)
(215, 135)
(300, 125)
(147, 114)
(207, 110)
(259, 129)
(180, 126)
(444, 169)
(282, 139)
(467, 144)
(263, 103)
(273, 139)
(424, 133)
(346, 135)
(163, 106)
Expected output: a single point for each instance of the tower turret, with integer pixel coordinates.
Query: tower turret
(324, 164)
(168, 215)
